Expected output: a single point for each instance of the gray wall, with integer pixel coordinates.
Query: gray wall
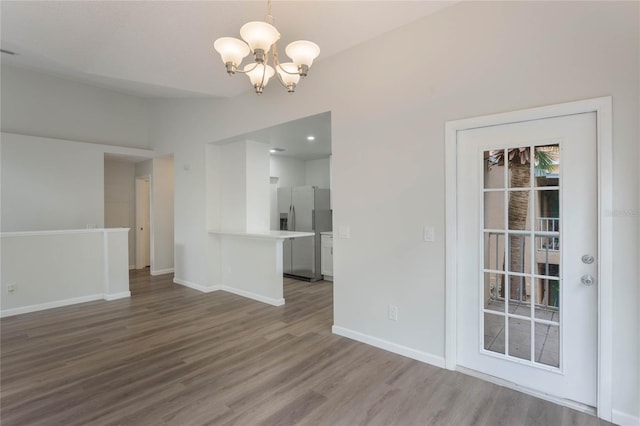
(39, 104)
(120, 200)
(388, 134)
(50, 184)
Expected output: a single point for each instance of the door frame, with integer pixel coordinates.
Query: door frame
(604, 145)
(140, 263)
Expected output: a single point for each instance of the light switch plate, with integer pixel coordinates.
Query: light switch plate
(344, 232)
(429, 234)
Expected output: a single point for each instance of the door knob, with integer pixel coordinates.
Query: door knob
(587, 280)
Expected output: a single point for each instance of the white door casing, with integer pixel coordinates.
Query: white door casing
(456, 246)
(143, 222)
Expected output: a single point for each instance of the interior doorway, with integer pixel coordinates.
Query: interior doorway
(143, 222)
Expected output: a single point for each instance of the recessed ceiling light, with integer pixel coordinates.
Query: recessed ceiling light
(311, 138)
(274, 150)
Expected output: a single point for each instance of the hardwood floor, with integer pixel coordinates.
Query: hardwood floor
(172, 355)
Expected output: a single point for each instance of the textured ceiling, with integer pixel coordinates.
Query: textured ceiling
(165, 48)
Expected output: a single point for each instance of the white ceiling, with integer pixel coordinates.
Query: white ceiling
(292, 137)
(165, 48)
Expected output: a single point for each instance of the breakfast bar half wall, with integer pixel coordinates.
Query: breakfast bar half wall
(48, 269)
(251, 264)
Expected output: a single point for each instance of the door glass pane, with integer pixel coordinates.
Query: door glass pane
(519, 219)
(548, 255)
(547, 299)
(494, 169)
(520, 253)
(547, 341)
(521, 266)
(519, 295)
(547, 210)
(522, 308)
(493, 295)
(494, 210)
(519, 167)
(519, 338)
(494, 251)
(494, 333)
(547, 165)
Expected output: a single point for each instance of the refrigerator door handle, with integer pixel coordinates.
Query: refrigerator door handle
(294, 218)
(313, 220)
(290, 220)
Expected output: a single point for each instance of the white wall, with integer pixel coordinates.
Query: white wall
(296, 172)
(317, 173)
(144, 168)
(233, 187)
(289, 171)
(120, 199)
(388, 150)
(237, 201)
(162, 221)
(50, 184)
(262, 278)
(38, 104)
(70, 267)
(257, 192)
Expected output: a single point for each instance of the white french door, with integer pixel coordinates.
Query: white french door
(527, 254)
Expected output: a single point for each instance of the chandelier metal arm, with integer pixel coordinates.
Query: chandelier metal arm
(264, 73)
(290, 88)
(247, 71)
(276, 62)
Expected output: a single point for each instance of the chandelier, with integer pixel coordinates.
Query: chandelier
(260, 38)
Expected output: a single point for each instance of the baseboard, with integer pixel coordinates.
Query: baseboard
(243, 293)
(116, 296)
(496, 380)
(195, 286)
(162, 272)
(624, 419)
(254, 296)
(50, 305)
(428, 358)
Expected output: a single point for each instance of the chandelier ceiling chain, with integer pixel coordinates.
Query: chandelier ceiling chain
(260, 38)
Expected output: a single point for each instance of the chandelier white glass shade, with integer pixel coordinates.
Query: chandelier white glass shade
(260, 38)
(259, 75)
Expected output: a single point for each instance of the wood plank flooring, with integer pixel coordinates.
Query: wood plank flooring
(172, 355)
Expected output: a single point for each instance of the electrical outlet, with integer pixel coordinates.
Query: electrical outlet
(11, 288)
(344, 231)
(393, 312)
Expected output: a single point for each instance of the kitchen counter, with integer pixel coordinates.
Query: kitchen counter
(328, 233)
(270, 235)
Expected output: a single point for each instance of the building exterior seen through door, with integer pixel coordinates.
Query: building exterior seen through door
(527, 254)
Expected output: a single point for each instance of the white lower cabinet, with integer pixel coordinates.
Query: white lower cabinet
(326, 256)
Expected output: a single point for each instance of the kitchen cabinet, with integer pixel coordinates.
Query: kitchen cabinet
(326, 255)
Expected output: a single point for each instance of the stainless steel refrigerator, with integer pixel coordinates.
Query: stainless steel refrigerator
(303, 209)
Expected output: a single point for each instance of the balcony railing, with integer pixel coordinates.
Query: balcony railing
(546, 289)
(549, 224)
